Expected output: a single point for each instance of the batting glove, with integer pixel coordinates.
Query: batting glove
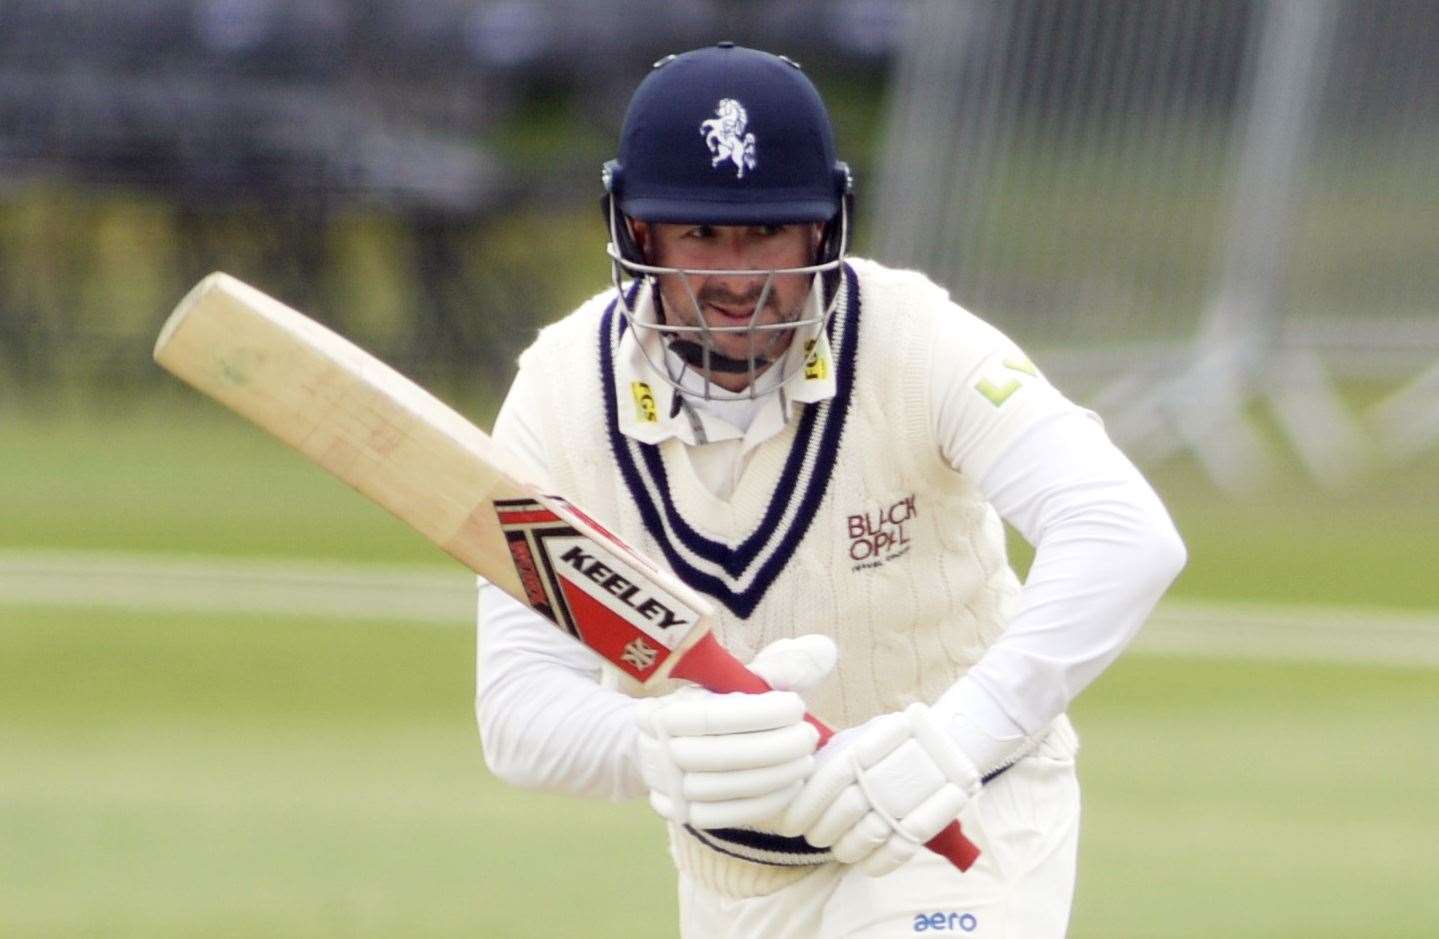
(734, 760)
(883, 789)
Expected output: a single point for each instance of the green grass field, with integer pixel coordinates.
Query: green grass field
(237, 775)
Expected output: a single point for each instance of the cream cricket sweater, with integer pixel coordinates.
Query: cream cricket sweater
(847, 522)
(847, 519)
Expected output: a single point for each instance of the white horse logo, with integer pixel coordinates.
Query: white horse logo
(725, 136)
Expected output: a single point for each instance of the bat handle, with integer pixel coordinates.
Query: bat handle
(712, 666)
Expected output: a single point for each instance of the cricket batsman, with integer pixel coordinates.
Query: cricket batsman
(827, 448)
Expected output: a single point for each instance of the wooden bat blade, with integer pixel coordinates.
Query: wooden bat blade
(397, 444)
(339, 406)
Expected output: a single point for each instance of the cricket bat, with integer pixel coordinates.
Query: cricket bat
(399, 445)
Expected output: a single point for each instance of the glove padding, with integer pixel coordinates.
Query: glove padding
(883, 789)
(734, 760)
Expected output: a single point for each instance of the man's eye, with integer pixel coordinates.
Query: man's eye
(700, 231)
(769, 230)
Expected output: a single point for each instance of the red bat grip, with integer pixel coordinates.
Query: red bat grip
(710, 665)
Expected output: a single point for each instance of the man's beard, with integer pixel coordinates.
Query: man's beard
(768, 344)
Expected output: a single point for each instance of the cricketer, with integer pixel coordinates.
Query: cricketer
(828, 449)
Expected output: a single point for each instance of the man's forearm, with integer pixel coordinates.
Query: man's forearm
(1106, 551)
(545, 722)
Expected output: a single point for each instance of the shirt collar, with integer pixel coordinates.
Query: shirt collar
(651, 411)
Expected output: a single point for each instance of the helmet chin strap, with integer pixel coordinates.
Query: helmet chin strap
(693, 354)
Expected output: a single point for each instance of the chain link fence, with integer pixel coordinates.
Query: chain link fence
(1187, 207)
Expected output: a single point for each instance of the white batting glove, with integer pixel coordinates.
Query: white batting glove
(734, 760)
(883, 789)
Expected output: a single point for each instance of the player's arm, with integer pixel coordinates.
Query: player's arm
(1105, 548)
(713, 760)
(545, 722)
(1105, 552)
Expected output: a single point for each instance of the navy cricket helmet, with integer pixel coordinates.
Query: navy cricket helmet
(727, 135)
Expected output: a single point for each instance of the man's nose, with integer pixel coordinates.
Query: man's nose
(736, 255)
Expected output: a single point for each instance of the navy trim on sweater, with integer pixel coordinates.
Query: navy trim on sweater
(827, 418)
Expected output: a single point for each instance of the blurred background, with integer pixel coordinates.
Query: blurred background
(236, 700)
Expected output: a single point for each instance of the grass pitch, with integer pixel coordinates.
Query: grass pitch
(242, 776)
(239, 776)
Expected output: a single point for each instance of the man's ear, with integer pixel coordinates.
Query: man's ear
(640, 231)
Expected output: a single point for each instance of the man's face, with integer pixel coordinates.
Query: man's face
(729, 300)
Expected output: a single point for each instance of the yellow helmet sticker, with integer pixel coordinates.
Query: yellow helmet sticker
(645, 408)
(816, 365)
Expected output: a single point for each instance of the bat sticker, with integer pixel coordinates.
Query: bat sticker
(593, 590)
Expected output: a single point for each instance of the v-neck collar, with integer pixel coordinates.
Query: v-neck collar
(738, 574)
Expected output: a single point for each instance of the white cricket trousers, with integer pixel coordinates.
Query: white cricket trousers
(1026, 823)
